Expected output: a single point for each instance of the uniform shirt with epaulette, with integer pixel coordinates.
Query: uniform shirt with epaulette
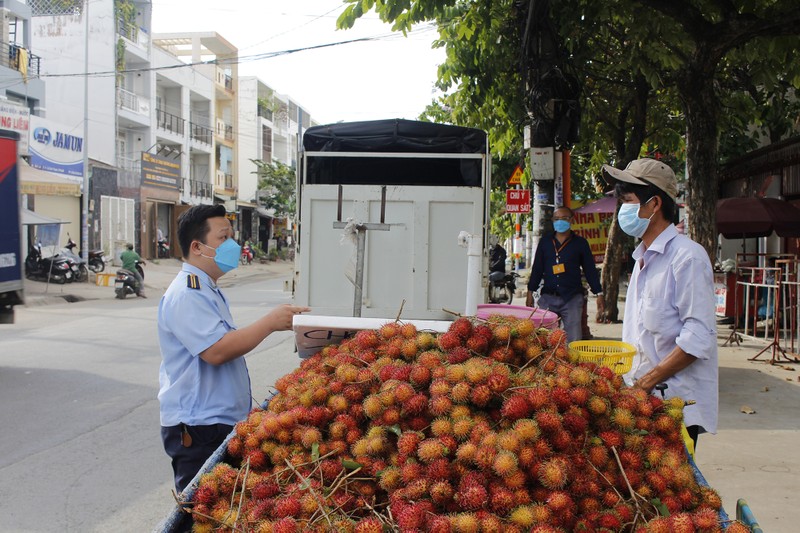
(192, 316)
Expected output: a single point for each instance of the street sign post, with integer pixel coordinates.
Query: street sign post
(518, 201)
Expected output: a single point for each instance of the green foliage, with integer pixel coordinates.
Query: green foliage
(120, 61)
(276, 187)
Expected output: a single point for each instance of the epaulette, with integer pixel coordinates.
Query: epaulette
(193, 281)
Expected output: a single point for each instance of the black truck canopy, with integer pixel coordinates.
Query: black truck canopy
(375, 139)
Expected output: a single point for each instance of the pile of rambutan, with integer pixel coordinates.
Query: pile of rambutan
(487, 427)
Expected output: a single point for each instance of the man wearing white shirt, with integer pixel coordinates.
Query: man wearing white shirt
(669, 308)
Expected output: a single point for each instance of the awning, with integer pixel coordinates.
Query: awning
(35, 181)
(246, 205)
(29, 218)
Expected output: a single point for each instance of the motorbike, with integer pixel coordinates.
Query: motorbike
(76, 263)
(97, 261)
(163, 249)
(56, 269)
(125, 282)
(502, 287)
(247, 254)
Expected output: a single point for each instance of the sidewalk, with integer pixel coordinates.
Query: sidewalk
(158, 274)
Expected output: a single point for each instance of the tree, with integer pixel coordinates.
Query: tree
(276, 187)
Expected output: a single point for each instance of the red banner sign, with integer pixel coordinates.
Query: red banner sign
(518, 201)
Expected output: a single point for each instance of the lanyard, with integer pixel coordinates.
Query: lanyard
(559, 248)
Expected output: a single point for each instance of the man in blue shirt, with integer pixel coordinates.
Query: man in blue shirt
(558, 261)
(204, 384)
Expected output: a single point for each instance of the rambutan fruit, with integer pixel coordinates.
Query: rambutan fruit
(682, 523)
(439, 405)
(410, 517)
(505, 463)
(481, 395)
(516, 480)
(516, 407)
(501, 333)
(471, 496)
(441, 492)
(439, 387)
(431, 449)
(522, 516)
(466, 452)
(411, 470)
(623, 418)
(430, 359)
(389, 330)
(391, 416)
(557, 338)
(477, 344)
(631, 460)
(553, 473)
(665, 424)
(415, 405)
(420, 375)
(501, 500)
(737, 527)
(462, 426)
(502, 354)
(548, 421)
(560, 501)
(460, 392)
(509, 440)
(526, 429)
(287, 506)
(706, 520)
(575, 423)
(611, 438)
(448, 341)
(660, 524)
(458, 355)
(709, 498)
(370, 524)
(465, 523)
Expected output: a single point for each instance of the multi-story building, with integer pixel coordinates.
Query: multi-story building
(151, 139)
(270, 125)
(20, 65)
(212, 55)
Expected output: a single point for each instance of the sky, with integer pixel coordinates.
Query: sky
(388, 78)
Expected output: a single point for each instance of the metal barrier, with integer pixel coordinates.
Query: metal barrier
(773, 289)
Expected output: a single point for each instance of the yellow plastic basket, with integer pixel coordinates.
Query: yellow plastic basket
(616, 355)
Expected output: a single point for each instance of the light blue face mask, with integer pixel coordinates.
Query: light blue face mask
(630, 222)
(561, 226)
(227, 256)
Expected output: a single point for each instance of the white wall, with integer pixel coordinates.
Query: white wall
(248, 139)
(60, 42)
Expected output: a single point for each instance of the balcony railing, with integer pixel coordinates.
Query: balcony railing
(228, 133)
(169, 122)
(201, 189)
(200, 133)
(228, 82)
(132, 102)
(265, 112)
(14, 57)
(224, 130)
(224, 179)
(129, 163)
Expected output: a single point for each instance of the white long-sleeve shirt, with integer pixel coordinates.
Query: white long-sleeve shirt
(670, 301)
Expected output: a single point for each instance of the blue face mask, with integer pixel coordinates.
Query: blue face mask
(561, 226)
(227, 256)
(630, 222)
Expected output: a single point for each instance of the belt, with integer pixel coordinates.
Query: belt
(552, 293)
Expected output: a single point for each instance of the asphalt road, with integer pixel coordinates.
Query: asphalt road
(80, 449)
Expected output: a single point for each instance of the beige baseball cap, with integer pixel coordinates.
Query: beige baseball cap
(645, 172)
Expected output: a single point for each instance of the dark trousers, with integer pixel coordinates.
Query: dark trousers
(187, 461)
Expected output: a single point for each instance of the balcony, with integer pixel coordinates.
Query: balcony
(224, 180)
(265, 112)
(133, 34)
(169, 122)
(200, 133)
(18, 58)
(129, 163)
(200, 189)
(224, 130)
(132, 102)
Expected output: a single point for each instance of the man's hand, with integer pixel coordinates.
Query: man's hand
(600, 318)
(281, 317)
(529, 299)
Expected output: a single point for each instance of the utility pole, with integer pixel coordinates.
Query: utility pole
(85, 196)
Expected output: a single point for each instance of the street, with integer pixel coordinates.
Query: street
(81, 449)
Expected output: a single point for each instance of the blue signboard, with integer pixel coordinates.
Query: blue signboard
(55, 148)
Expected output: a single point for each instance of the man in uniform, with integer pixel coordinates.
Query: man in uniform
(559, 258)
(204, 383)
(669, 307)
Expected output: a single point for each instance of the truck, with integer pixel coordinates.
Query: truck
(11, 258)
(399, 208)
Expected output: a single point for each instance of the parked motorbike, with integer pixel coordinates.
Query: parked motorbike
(125, 283)
(76, 263)
(97, 261)
(163, 249)
(502, 287)
(56, 269)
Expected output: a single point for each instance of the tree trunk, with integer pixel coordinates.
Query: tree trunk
(612, 266)
(702, 147)
(628, 141)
